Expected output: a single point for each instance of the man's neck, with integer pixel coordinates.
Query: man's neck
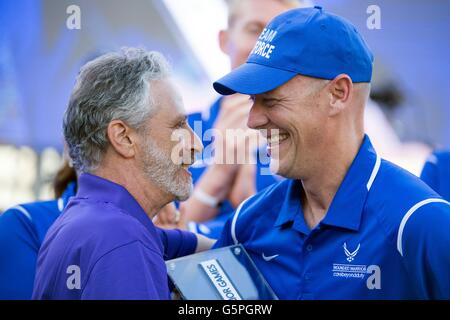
(322, 185)
(149, 197)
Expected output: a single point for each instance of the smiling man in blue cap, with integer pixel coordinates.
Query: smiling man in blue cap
(345, 224)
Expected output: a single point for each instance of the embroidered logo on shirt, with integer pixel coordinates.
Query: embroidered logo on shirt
(351, 255)
(269, 258)
(358, 271)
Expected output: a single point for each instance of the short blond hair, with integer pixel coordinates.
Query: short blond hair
(233, 7)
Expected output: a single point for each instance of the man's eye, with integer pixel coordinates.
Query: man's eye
(255, 29)
(181, 124)
(269, 102)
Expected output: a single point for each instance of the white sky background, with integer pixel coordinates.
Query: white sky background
(200, 22)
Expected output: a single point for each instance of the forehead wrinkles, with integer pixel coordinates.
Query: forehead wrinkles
(301, 86)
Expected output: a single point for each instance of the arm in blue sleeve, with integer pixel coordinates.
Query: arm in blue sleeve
(177, 243)
(129, 272)
(430, 175)
(426, 243)
(18, 254)
(225, 238)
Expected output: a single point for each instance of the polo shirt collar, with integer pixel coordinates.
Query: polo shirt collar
(347, 206)
(291, 208)
(99, 189)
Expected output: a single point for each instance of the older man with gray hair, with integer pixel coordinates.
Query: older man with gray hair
(119, 127)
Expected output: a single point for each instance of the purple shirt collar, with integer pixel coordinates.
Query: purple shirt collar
(95, 188)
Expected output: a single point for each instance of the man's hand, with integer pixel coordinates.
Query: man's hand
(204, 243)
(219, 178)
(232, 117)
(170, 218)
(233, 112)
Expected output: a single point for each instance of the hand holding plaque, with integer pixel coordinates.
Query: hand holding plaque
(221, 274)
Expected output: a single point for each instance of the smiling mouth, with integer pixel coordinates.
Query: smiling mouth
(273, 143)
(277, 139)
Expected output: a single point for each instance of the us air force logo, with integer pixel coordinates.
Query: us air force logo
(358, 271)
(351, 255)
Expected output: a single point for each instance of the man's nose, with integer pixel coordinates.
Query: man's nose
(256, 117)
(196, 142)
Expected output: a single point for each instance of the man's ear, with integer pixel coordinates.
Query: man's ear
(340, 90)
(121, 139)
(223, 41)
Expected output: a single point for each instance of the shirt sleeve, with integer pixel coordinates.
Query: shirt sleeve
(430, 175)
(225, 238)
(425, 243)
(129, 272)
(177, 243)
(18, 254)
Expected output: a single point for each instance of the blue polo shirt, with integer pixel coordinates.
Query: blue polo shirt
(201, 122)
(22, 230)
(385, 236)
(436, 172)
(104, 246)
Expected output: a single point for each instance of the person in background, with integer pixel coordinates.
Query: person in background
(409, 155)
(436, 172)
(220, 188)
(22, 230)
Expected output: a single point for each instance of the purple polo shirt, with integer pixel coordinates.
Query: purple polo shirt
(104, 246)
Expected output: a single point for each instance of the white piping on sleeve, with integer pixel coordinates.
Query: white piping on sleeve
(23, 211)
(408, 215)
(235, 217)
(60, 204)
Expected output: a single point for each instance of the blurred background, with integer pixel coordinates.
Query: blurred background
(40, 58)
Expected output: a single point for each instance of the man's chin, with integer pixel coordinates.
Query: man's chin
(280, 168)
(182, 196)
(185, 193)
(275, 166)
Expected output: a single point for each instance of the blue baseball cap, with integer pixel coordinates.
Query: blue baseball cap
(309, 42)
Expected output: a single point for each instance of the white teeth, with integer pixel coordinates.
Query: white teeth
(277, 138)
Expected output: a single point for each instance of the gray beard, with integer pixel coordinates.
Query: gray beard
(161, 171)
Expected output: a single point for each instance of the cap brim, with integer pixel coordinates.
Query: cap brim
(252, 78)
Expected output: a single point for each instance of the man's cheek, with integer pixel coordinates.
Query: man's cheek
(181, 151)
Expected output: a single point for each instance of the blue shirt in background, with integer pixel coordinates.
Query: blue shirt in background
(22, 230)
(385, 236)
(205, 121)
(104, 246)
(436, 172)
